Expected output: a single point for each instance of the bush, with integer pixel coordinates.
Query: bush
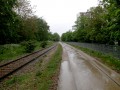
(2, 49)
(43, 44)
(29, 46)
(6, 48)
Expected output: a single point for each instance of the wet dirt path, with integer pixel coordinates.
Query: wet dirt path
(82, 72)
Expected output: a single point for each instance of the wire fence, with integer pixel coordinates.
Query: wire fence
(113, 50)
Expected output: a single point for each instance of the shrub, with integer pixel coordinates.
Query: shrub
(43, 44)
(29, 46)
(2, 49)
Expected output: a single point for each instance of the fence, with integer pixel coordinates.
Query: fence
(103, 48)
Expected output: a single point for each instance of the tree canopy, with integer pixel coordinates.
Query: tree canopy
(54, 36)
(18, 23)
(100, 24)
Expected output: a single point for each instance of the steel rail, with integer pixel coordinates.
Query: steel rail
(13, 66)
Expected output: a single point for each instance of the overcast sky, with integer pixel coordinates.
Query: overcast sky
(61, 14)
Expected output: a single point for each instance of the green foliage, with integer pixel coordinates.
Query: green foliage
(9, 22)
(29, 46)
(99, 24)
(53, 37)
(2, 49)
(43, 44)
(56, 37)
(42, 30)
(68, 36)
(14, 51)
(11, 81)
(34, 28)
(16, 79)
(18, 23)
(10, 51)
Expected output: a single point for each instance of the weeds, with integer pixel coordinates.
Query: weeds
(51, 70)
(38, 73)
(29, 46)
(13, 51)
(43, 44)
(38, 79)
(10, 51)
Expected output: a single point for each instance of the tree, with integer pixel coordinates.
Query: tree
(99, 24)
(68, 36)
(8, 22)
(23, 9)
(18, 23)
(34, 28)
(53, 36)
(43, 29)
(56, 37)
(28, 28)
(113, 25)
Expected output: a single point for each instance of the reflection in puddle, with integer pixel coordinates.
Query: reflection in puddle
(66, 78)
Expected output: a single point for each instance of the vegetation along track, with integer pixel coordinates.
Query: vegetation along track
(10, 67)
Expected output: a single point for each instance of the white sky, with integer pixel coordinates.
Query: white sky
(61, 14)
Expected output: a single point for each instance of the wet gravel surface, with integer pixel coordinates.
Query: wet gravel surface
(80, 71)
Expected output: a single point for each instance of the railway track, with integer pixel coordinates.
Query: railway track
(11, 67)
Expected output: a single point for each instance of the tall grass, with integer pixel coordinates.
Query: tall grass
(13, 51)
(10, 51)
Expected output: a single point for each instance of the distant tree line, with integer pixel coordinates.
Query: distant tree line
(18, 23)
(54, 37)
(99, 24)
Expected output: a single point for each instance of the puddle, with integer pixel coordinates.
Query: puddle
(66, 81)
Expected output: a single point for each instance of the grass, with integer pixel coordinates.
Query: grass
(109, 60)
(41, 78)
(17, 79)
(10, 51)
(51, 70)
(13, 51)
